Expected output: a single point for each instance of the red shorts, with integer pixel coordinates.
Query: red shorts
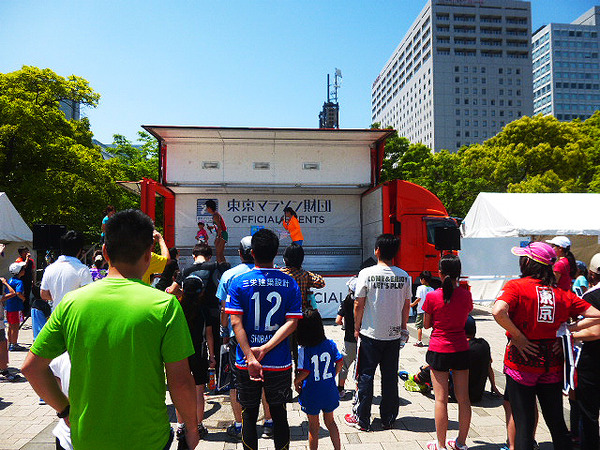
(13, 317)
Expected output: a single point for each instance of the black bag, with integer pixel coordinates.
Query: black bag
(43, 306)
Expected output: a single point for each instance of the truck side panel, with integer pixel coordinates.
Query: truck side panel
(194, 162)
(372, 219)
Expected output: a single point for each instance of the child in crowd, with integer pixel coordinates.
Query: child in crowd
(97, 270)
(316, 377)
(345, 315)
(13, 299)
(422, 291)
(201, 235)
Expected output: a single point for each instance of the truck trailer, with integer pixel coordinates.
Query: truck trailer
(331, 178)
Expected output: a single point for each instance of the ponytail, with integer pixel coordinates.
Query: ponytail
(572, 262)
(450, 270)
(447, 288)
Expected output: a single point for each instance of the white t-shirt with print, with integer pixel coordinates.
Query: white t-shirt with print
(386, 288)
(422, 292)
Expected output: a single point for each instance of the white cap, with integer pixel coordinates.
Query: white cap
(595, 264)
(560, 241)
(246, 243)
(16, 267)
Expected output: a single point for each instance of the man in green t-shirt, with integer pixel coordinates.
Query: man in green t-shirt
(122, 336)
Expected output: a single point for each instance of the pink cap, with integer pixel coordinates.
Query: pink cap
(538, 251)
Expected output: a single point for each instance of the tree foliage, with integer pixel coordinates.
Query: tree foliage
(51, 170)
(531, 154)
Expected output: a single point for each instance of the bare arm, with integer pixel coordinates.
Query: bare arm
(46, 295)
(183, 393)
(164, 250)
(254, 367)
(338, 366)
(591, 313)
(557, 275)
(517, 338)
(359, 311)
(37, 371)
(288, 328)
(492, 377)
(211, 347)
(405, 313)
(339, 319)
(300, 377)
(427, 321)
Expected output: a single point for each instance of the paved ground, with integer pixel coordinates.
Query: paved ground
(26, 425)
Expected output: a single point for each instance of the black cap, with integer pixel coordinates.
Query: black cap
(470, 326)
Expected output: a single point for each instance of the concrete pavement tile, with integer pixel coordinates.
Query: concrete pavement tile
(377, 436)
(412, 444)
(370, 446)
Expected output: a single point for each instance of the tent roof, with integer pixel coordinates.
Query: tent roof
(12, 226)
(505, 214)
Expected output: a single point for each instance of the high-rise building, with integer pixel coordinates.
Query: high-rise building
(462, 72)
(566, 67)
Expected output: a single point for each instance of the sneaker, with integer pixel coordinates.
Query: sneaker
(267, 430)
(202, 431)
(412, 386)
(433, 445)
(234, 432)
(352, 421)
(451, 444)
(17, 348)
(5, 375)
(418, 344)
(41, 401)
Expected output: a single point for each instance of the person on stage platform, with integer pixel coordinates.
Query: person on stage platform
(221, 229)
(292, 225)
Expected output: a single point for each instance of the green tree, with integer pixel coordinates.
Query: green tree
(51, 170)
(531, 154)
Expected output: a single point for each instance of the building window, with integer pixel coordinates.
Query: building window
(458, 112)
(457, 101)
(458, 122)
(457, 79)
(457, 90)
(456, 68)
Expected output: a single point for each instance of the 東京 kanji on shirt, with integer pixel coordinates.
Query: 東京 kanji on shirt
(266, 299)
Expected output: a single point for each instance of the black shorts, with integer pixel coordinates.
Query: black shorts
(232, 355)
(199, 367)
(277, 386)
(443, 362)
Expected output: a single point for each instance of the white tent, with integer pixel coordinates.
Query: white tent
(498, 221)
(502, 214)
(14, 232)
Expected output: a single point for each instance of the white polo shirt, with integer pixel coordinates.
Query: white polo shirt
(64, 275)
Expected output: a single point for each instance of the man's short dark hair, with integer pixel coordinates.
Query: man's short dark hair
(211, 204)
(128, 235)
(173, 252)
(71, 243)
(388, 246)
(22, 249)
(293, 256)
(202, 249)
(246, 254)
(265, 244)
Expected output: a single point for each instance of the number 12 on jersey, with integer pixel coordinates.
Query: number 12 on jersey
(275, 299)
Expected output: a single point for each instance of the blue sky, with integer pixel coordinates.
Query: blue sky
(220, 63)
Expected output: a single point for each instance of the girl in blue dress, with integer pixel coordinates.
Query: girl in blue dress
(319, 362)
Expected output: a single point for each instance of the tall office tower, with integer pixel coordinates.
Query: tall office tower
(462, 72)
(566, 68)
